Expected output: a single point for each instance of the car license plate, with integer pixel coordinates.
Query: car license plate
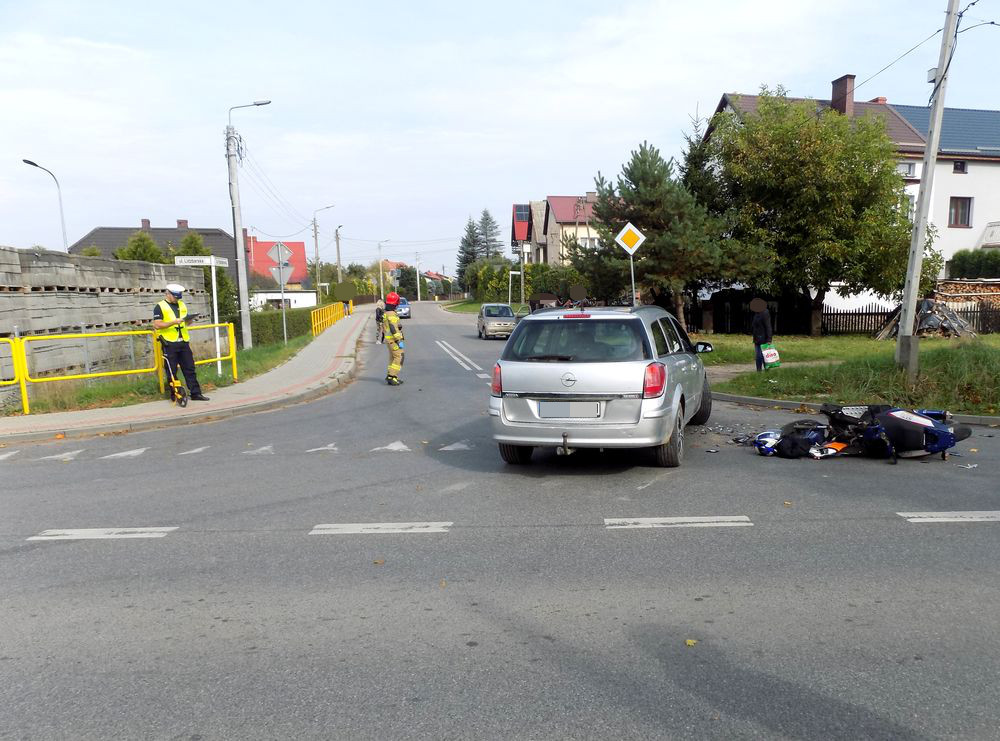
(569, 409)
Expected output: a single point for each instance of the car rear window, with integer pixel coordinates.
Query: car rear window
(496, 311)
(578, 341)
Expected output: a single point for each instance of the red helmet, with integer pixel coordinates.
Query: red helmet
(392, 299)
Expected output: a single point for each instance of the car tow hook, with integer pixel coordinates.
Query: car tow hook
(564, 449)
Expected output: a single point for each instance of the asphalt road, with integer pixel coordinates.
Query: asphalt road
(517, 613)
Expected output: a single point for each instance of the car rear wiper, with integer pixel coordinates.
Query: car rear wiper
(550, 357)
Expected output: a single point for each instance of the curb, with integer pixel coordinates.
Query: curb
(811, 407)
(340, 378)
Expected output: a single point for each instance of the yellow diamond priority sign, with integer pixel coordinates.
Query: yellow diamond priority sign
(630, 238)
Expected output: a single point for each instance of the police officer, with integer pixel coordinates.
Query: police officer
(394, 339)
(171, 318)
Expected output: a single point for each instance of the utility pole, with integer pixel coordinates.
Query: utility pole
(340, 277)
(241, 255)
(907, 345)
(319, 301)
(381, 288)
(520, 247)
(418, 276)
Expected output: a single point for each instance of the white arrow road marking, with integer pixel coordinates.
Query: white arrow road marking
(457, 446)
(125, 454)
(62, 456)
(453, 356)
(379, 528)
(464, 357)
(202, 449)
(399, 446)
(332, 447)
(971, 516)
(9, 454)
(629, 523)
(266, 450)
(103, 533)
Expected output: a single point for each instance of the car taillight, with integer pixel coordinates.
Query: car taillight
(655, 381)
(576, 316)
(497, 386)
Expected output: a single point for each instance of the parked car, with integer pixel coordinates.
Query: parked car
(598, 378)
(403, 310)
(495, 320)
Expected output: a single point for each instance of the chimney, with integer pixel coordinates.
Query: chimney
(881, 100)
(182, 223)
(145, 223)
(591, 196)
(842, 99)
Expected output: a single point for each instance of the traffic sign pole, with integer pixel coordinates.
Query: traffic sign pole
(211, 262)
(631, 266)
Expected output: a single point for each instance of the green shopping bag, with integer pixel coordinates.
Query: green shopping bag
(771, 357)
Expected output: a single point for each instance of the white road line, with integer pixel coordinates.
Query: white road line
(103, 533)
(266, 450)
(462, 355)
(462, 445)
(380, 528)
(453, 356)
(332, 448)
(125, 454)
(629, 523)
(8, 454)
(484, 375)
(202, 449)
(458, 486)
(71, 455)
(397, 447)
(971, 516)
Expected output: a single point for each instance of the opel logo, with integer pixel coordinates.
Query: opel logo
(568, 379)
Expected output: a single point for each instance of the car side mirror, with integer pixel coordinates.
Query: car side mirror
(703, 347)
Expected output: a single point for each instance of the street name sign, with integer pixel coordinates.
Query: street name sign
(206, 261)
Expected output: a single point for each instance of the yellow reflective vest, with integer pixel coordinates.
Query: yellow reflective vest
(177, 333)
(391, 327)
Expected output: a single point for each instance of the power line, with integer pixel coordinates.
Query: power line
(266, 192)
(280, 236)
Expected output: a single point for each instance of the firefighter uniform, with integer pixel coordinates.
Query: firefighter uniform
(394, 339)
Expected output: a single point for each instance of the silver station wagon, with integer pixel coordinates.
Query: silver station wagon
(598, 378)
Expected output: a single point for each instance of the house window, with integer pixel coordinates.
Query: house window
(522, 212)
(960, 212)
(911, 206)
(906, 169)
(959, 167)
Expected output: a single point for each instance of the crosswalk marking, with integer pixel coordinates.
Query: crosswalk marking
(630, 523)
(971, 516)
(381, 528)
(453, 356)
(332, 447)
(202, 449)
(399, 447)
(125, 454)
(103, 533)
(266, 450)
(8, 454)
(484, 375)
(463, 356)
(71, 455)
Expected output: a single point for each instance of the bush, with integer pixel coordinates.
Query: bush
(266, 325)
(981, 263)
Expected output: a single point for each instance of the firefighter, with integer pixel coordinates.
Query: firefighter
(393, 333)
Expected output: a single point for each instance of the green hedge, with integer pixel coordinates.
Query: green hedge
(266, 325)
(980, 263)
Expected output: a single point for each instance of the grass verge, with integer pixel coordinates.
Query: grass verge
(961, 376)
(472, 307)
(73, 395)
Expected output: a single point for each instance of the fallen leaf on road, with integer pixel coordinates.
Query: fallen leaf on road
(444, 583)
(690, 642)
(788, 504)
(378, 561)
(973, 450)
(60, 436)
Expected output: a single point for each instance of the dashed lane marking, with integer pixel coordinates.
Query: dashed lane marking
(971, 516)
(202, 449)
(484, 375)
(452, 355)
(103, 533)
(125, 454)
(332, 448)
(461, 445)
(462, 355)
(631, 523)
(266, 450)
(397, 447)
(71, 455)
(8, 454)
(381, 528)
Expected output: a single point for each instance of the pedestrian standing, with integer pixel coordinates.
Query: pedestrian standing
(760, 328)
(379, 329)
(171, 319)
(393, 338)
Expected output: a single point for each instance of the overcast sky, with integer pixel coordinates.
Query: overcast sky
(409, 116)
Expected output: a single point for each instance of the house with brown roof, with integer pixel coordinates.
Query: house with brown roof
(543, 225)
(965, 200)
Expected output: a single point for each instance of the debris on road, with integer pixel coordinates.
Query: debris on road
(967, 465)
(690, 642)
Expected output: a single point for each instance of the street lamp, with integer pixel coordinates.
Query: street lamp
(336, 234)
(241, 255)
(381, 289)
(316, 244)
(62, 217)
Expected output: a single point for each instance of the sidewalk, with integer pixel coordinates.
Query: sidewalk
(326, 363)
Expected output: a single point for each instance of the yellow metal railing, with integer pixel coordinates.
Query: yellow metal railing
(22, 374)
(327, 316)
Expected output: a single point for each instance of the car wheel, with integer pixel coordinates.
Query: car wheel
(671, 453)
(516, 455)
(705, 410)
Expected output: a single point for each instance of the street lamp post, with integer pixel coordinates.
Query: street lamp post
(381, 288)
(316, 246)
(234, 197)
(62, 217)
(336, 234)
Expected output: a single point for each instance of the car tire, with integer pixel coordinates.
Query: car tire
(515, 455)
(671, 453)
(705, 409)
